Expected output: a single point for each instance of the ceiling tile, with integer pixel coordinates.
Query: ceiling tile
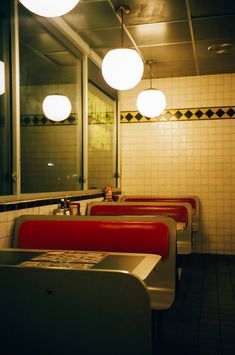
(217, 65)
(168, 53)
(202, 8)
(173, 69)
(151, 11)
(160, 33)
(203, 52)
(158, 27)
(214, 28)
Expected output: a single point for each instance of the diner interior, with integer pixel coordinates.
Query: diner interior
(117, 179)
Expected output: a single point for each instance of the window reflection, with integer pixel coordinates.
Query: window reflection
(51, 152)
(101, 138)
(5, 102)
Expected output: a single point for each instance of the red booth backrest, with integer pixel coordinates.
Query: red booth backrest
(190, 200)
(178, 213)
(114, 236)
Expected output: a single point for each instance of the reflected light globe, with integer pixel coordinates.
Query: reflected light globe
(49, 8)
(2, 77)
(151, 102)
(56, 107)
(122, 68)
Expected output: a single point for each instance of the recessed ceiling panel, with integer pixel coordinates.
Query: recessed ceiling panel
(203, 8)
(214, 28)
(160, 33)
(159, 28)
(151, 11)
(172, 69)
(215, 48)
(168, 53)
(217, 65)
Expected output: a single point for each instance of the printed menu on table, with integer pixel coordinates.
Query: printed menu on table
(72, 256)
(71, 259)
(56, 265)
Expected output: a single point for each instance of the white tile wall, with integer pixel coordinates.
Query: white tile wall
(198, 91)
(193, 157)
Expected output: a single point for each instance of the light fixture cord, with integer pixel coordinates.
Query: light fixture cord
(122, 14)
(150, 66)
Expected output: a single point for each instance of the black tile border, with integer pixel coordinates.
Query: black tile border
(182, 114)
(21, 205)
(40, 120)
(2, 208)
(10, 207)
(6, 207)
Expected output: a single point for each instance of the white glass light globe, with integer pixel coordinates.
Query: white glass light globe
(122, 68)
(151, 102)
(56, 107)
(49, 8)
(2, 77)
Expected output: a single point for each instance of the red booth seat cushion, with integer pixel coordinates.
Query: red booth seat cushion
(190, 200)
(178, 213)
(135, 237)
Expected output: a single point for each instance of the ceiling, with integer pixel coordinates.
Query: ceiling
(176, 34)
(183, 37)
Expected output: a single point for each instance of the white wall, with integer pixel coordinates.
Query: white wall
(186, 157)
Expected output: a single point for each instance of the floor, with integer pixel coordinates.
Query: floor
(202, 319)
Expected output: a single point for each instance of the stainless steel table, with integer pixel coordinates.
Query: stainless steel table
(85, 303)
(140, 265)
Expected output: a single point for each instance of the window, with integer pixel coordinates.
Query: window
(51, 152)
(48, 154)
(5, 102)
(101, 139)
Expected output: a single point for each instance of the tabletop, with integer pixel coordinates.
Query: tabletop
(140, 265)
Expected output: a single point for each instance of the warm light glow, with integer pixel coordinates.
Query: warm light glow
(56, 107)
(151, 102)
(50, 8)
(2, 77)
(122, 68)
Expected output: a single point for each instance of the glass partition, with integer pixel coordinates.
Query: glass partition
(51, 152)
(5, 102)
(101, 138)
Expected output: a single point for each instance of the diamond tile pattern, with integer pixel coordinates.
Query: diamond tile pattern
(40, 120)
(205, 113)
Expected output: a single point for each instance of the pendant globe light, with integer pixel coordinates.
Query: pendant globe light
(56, 107)
(49, 8)
(151, 102)
(122, 68)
